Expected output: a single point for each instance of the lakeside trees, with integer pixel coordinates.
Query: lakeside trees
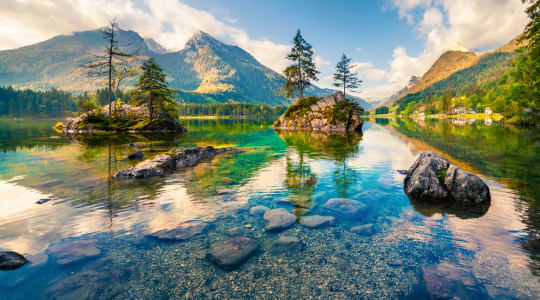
(343, 77)
(302, 70)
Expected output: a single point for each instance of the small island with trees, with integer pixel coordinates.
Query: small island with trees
(151, 107)
(330, 114)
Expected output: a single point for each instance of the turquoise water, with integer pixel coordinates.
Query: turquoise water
(413, 252)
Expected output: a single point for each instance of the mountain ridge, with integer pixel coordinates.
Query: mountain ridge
(206, 70)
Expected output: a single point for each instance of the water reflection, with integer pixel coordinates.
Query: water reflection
(405, 251)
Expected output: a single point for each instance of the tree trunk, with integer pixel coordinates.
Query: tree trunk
(300, 75)
(110, 71)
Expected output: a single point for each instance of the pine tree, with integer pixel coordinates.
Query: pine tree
(344, 77)
(302, 71)
(104, 65)
(532, 31)
(152, 89)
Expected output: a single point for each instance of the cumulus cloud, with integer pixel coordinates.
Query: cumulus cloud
(169, 22)
(443, 25)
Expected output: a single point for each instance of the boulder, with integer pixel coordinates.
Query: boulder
(344, 207)
(278, 219)
(258, 210)
(136, 155)
(233, 253)
(447, 281)
(332, 113)
(317, 221)
(148, 168)
(71, 252)
(466, 188)
(423, 181)
(432, 179)
(284, 244)
(10, 260)
(179, 158)
(184, 231)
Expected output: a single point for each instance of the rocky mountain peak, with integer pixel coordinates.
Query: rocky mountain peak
(200, 39)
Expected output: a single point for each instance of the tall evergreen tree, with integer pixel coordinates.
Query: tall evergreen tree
(103, 66)
(532, 31)
(302, 70)
(343, 77)
(152, 89)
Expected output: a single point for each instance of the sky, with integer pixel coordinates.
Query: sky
(388, 40)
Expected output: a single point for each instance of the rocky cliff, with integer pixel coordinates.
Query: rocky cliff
(331, 113)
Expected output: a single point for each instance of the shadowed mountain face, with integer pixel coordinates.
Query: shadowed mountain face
(205, 71)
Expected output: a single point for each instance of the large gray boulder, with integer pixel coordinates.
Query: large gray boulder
(332, 113)
(344, 207)
(432, 179)
(233, 253)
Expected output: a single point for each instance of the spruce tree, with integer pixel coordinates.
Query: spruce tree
(152, 89)
(343, 77)
(302, 70)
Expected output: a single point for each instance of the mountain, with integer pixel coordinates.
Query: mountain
(452, 62)
(485, 71)
(205, 71)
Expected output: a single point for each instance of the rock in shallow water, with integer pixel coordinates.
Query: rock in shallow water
(71, 252)
(365, 230)
(258, 210)
(10, 260)
(343, 206)
(233, 253)
(446, 281)
(136, 155)
(432, 179)
(181, 158)
(278, 219)
(285, 244)
(317, 221)
(184, 231)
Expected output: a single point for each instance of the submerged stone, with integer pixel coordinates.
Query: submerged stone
(233, 253)
(365, 230)
(182, 232)
(10, 260)
(71, 252)
(43, 200)
(317, 221)
(278, 219)
(136, 155)
(285, 243)
(258, 210)
(446, 281)
(343, 206)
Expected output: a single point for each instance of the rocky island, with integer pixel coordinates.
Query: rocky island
(333, 113)
(125, 118)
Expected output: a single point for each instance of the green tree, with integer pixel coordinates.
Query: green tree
(532, 31)
(343, 77)
(152, 89)
(409, 109)
(446, 101)
(382, 110)
(104, 65)
(302, 70)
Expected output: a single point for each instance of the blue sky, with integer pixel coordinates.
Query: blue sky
(389, 40)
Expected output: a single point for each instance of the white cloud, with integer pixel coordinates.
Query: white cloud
(358, 49)
(169, 22)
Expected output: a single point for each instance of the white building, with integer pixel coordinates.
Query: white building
(488, 111)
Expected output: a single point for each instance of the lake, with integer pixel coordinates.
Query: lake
(409, 251)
